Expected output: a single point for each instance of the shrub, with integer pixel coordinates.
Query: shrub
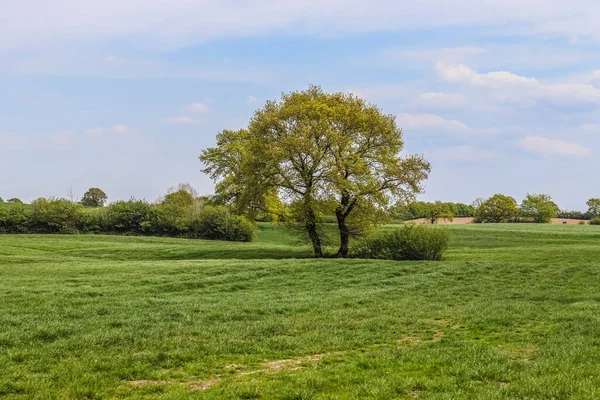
(55, 216)
(582, 223)
(595, 221)
(410, 242)
(132, 216)
(217, 223)
(95, 220)
(174, 215)
(14, 218)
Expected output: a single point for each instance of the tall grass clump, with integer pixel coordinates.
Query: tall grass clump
(595, 221)
(410, 242)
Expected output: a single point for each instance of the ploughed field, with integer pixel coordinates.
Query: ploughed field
(513, 312)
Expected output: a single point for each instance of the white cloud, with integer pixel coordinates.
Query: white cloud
(197, 108)
(430, 122)
(184, 120)
(121, 129)
(447, 54)
(252, 99)
(438, 100)
(95, 132)
(590, 128)
(184, 22)
(511, 87)
(464, 154)
(550, 147)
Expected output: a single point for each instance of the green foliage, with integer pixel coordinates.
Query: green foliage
(438, 210)
(312, 147)
(14, 200)
(410, 242)
(15, 218)
(218, 223)
(56, 216)
(539, 207)
(174, 214)
(498, 208)
(574, 215)
(593, 207)
(94, 198)
(179, 214)
(595, 221)
(420, 209)
(132, 216)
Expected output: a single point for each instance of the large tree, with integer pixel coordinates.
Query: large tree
(94, 198)
(539, 207)
(498, 208)
(319, 153)
(594, 207)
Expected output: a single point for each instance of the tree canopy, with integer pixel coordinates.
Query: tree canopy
(311, 149)
(498, 208)
(539, 207)
(439, 210)
(594, 207)
(94, 198)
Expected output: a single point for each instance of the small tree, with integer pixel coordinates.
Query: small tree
(94, 198)
(539, 207)
(594, 207)
(14, 200)
(498, 208)
(439, 210)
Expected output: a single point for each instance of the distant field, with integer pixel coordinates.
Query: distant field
(512, 313)
(462, 221)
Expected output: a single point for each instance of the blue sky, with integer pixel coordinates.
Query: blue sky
(501, 95)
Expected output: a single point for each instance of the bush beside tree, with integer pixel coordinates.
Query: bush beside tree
(410, 242)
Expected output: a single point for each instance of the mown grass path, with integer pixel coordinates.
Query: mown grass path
(513, 312)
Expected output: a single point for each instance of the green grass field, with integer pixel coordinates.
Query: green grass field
(512, 313)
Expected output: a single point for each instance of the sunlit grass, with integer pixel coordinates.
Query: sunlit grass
(513, 312)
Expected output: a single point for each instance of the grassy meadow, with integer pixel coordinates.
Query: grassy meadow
(512, 313)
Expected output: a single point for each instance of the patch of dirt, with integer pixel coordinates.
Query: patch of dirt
(203, 386)
(523, 354)
(281, 365)
(438, 336)
(268, 367)
(195, 385)
(143, 383)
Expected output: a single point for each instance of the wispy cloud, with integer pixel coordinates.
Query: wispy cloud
(549, 148)
(184, 120)
(430, 122)
(197, 108)
(511, 87)
(438, 100)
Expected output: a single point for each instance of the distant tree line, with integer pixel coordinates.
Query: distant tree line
(180, 213)
(430, 211)
(536, 208)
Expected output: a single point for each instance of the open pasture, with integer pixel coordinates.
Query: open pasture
(512, 312)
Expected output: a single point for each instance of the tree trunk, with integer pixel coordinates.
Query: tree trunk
(342, 211)
(311, 228)
(344, 234)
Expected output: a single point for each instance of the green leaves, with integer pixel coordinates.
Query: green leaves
(312, 148)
